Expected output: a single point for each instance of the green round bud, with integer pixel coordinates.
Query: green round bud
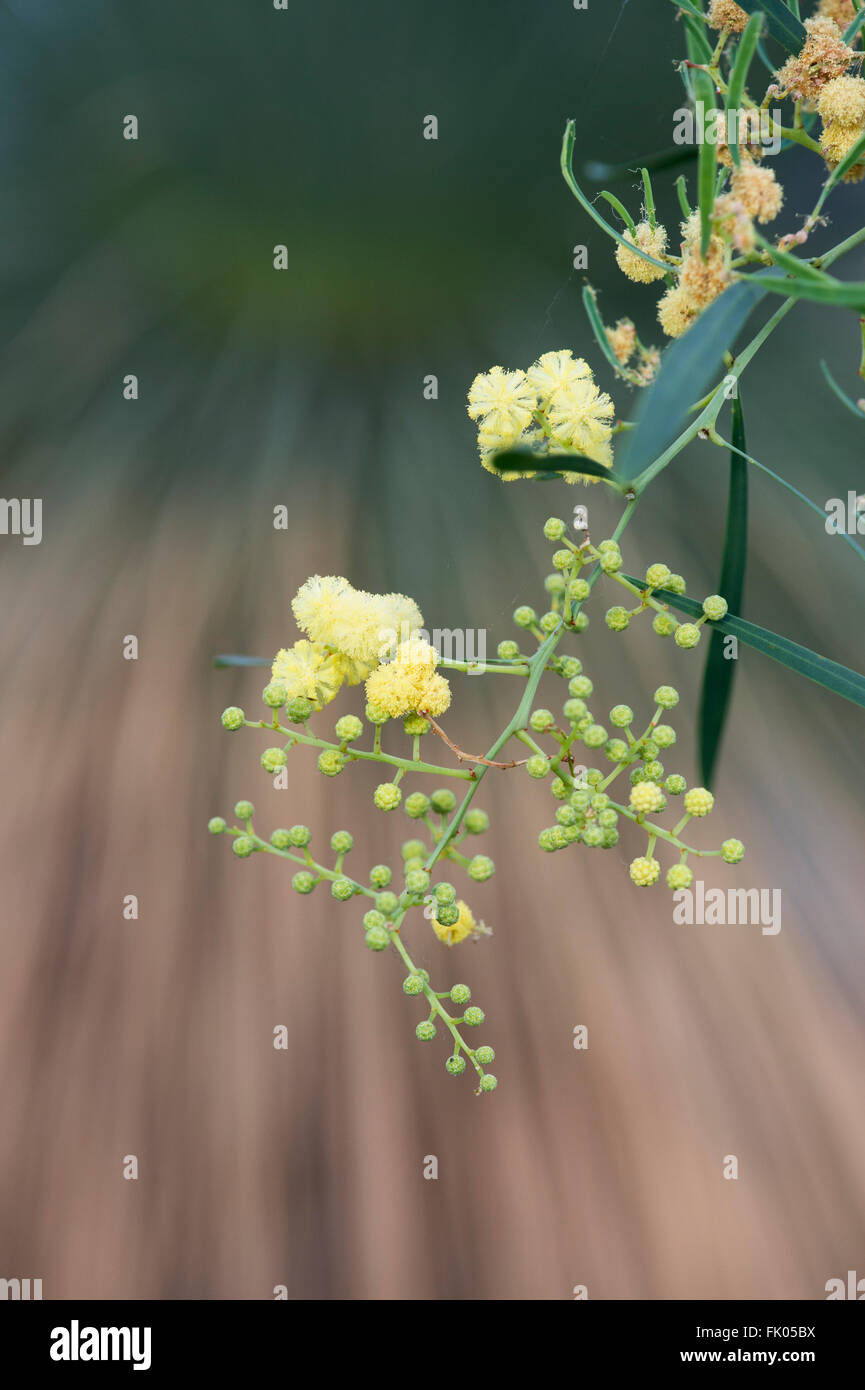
(570, 666)
(485, 1055)
(538, 765)
(413, 984)
(473, 1016)
(299, 835)
(715, 607)
(347, 728)
(616, 750)
(476, 822)
(447, 914)
(611, 837)
(617, 619)
(417, 881)
(426, 1031)
(455, 1066)
(549, 622)
(580, 687)
(416, 805)
(303, 882)
(566, 815)
(679, 876)
(444, 893)
(581, 622)
(574, 710)
(675, 584)
(299, 709)
(415, 724)
(481, 868)
(232, 718)
(675, 784)
(376, 715)
(244, 810)
(412, 848)
(595, 736)
(657, 576)
(488, 1082)
(664, 624)
(600, 801)
(418, 862)
(580, 800)
(386, 903)
(377, 938)
(460, 994)
(732, 851)
(508, 651)
(525, 616)
(386, 796)
(280, 839)
(664, 736)
(273, 758)
(216, 825)
(638, 774)
(621, 716)
(558, 789)
(443, 801)
(562, 559)
(341, 841)
(611, 561)
(380, 875)
(593, 836)
(243, 846)
(275, 694)
(541, 720)
(654, 770)
(578, 590)
(342, 889)
(331, 763)
(554, 528)
(666, 697)
(554, 584)
(687, 635)
(373, 918)
(547, 841)
(609, 819)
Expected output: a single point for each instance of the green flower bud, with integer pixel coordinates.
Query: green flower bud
(538, 765)
(664, 736)
(273, 758)
(413, 984)
(541, 720)
(341, 841)
(243, 846)
(549, 622)
(375, 715)
(299, 709)
(476, 822)
(299, 836)
(581, 687)
(342, 889)
(664, 624)
(621, 716)
(412, 848)
(508, 651)
(416, 724)
(558, 789)
(554, 528)
(715, 607)
(578, 590)
(657, 576)
(525, 616)
(417, 805)
(580, 800)
(687, 635)
(566, 815)
(679, 876)
(644, 872)
(280, 839)
(373, 918)
(593, 836)
(443, 801)
(386, 796)
(417, 881)
(275, 694)
(473, 1016)
(666, 697)
(609, 819)
(426, 1031)
(460, 994)
(611, 561)
(554, 584)
(419, 862)
(444, 893)
(562, 559)
(447, 914)
(488, 1082)
(611, 837)
(638, 774)
(654, 770)
(699, 801)
(616, 750)
(244, 810)
(348, 728)
(377, 938)
(570, 666)
(600, 801)
(581, 622)
(574, 710)
(303, 882)
(380, 875)
(547, 841)
(331, 763)
(481, 868)
(675, 584)
(485, 1055)
(647, 750)
(232, 718)
(216, 825)
(617, 619)
(455, 1066)
(675, 784)
(732, 851)
(386, 903)
(595, 736)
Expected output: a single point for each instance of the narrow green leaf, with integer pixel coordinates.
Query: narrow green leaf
(850, 295)
(793, 264)
(856, 155)
(219, 661)
(719, 672)
(682, 192)
(688, 368)
(745, 50)
(620, 209)
(853, 29)
(568, 175)
(704, 92)
(600, 172)
(850, 685)
(783, 25)
(648, 197)
(597, 326)
(687, 8)
(842, 395)
(551, 465)
(699, 48)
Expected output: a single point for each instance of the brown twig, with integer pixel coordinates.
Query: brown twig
(466, 757)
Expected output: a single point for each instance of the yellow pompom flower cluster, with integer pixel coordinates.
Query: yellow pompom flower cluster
(554, 407)
(842, 110)
(757, 191)
(841, 11)
(464, 926)
(700, 280)
(309, 671)
(409, 684)
(726, 14)
(824, 56)
(652, 240)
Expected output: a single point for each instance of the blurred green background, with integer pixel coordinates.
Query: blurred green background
(304, 388)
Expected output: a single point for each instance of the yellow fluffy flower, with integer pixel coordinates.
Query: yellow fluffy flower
(463, 927)
(359, 625)
(651, 240)
(726, 14)
(503, 402)
(581, 417)
(409, 683)
(555, 372)
(308, 670)
(824, 56)
(843, 100)
(758, 191)
(676, 312)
